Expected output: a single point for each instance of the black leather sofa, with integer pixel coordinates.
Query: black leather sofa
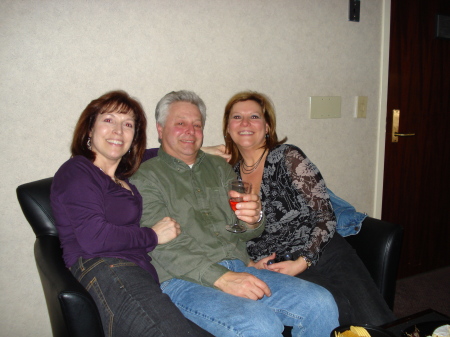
(73, 312)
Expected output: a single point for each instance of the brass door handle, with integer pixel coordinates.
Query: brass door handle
(395, 124)
(404, 134)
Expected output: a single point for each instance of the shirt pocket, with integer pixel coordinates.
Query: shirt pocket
(218, 207)
(217, 196)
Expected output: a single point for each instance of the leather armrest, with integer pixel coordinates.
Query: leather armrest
(71, 308)
(34, 199)
(378, 244)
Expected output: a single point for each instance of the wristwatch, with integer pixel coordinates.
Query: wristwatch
(290, 257)
(308, 261)
(298, 254)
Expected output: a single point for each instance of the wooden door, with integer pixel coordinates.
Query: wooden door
(416, 188)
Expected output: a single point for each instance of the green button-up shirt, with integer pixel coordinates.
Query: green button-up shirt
(197, 198)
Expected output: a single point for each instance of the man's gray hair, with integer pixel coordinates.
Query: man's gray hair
(162, 108)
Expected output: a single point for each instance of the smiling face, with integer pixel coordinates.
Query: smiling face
(182, 134)
(111, 137)
(246, 125)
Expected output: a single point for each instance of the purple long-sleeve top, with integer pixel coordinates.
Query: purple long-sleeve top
(97, 218)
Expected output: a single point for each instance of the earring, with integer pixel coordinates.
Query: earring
(267, 135)
(89, 143)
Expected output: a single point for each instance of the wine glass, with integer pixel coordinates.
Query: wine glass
(241, 187)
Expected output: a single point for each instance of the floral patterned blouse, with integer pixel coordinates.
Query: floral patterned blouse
(299, 216)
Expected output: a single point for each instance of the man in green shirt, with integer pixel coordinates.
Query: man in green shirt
(206, 270)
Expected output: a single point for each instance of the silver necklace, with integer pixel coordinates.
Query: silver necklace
(247, 169)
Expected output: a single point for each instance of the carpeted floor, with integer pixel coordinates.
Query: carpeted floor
(429, 290)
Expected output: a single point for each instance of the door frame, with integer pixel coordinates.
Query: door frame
(382, 112)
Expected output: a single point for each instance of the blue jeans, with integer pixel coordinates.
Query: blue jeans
(130, 301)
(308, 308)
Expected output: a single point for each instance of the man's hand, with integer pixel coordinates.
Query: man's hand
(243, 285)
(217, 150)
(166, 229)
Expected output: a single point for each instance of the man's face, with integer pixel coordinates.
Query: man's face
(182, 134)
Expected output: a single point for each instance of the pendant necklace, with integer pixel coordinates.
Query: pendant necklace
(247, 169)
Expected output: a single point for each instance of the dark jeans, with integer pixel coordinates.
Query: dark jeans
(130, 302)
(344, 275)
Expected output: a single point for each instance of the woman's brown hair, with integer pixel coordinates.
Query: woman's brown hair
(113, 101)
(268, 111)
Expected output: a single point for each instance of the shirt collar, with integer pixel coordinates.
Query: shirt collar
(177, 163)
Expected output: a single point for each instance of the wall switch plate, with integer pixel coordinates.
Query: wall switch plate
(325, 106)
(443, 26)
(361, 107)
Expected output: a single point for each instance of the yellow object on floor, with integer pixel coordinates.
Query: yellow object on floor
(355, 331)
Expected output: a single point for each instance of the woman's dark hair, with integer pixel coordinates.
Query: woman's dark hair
(268, 111)
(120, 102)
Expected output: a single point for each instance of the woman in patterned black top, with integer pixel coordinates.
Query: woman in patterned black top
(300, 238)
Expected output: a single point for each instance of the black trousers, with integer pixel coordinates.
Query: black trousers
(344, 275)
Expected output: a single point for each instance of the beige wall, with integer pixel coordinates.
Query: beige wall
(55, 56)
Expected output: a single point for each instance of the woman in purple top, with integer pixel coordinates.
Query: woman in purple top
(97, 213)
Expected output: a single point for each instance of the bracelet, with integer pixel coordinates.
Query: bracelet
(260, 216)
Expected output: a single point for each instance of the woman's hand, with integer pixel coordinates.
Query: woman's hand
(289, 267)
(217, 150)
(262, 264)
(166, 229)
(248, 211)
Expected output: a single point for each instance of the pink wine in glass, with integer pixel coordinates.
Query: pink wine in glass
(234, 202)
(241, 187)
